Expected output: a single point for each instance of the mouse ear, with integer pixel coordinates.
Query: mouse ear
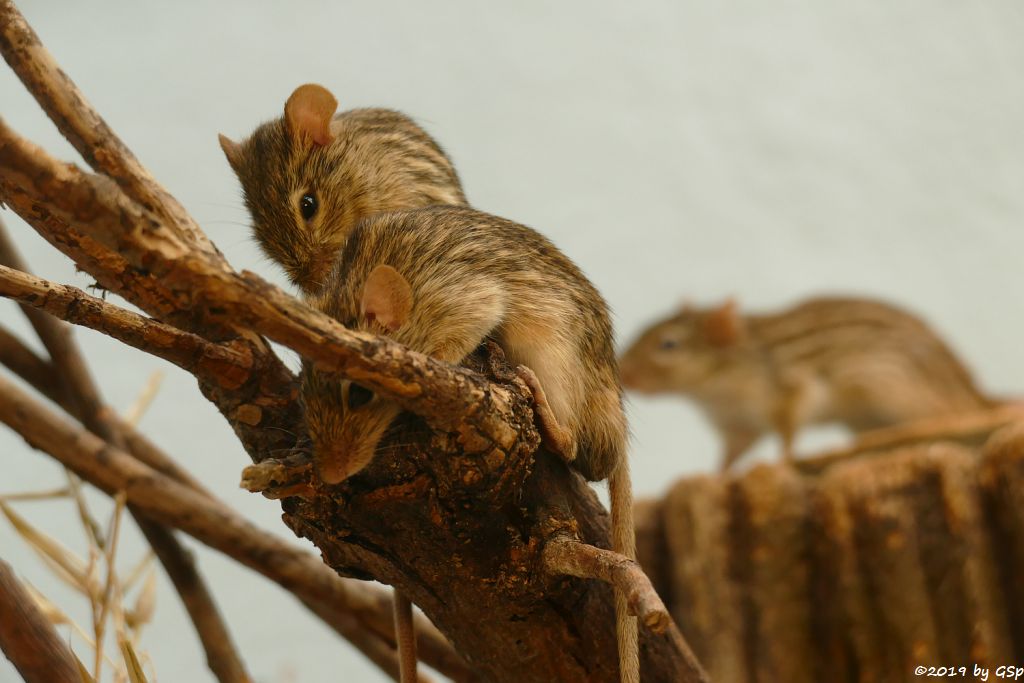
(232, 150)
(308, 113)
(387, 298)
(723, 326)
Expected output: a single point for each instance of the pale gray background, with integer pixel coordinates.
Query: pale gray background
(764, 150)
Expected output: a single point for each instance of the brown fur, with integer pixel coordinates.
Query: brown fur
(474, 276)
(375, 160)
(857, 362)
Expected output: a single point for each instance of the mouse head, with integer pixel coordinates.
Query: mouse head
(678, 353)
(345, 420)
(309, 177)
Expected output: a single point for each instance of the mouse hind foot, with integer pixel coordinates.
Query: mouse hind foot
(555, 437)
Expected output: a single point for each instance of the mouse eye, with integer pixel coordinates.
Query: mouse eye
(669, 343)
(358, 396)
(308, 206)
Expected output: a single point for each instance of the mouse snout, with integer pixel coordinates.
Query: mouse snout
(331, 467)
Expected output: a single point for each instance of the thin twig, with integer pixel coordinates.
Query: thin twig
(405, 636)
(381, 652)
(28, 639)
(568, 557)
(30, 181)
(137, 443)
(23, 496)
(136, 572)
(188, 351)
(107, 596)
(144, 399)
(92, 528)
(82, 125)
(66, 565)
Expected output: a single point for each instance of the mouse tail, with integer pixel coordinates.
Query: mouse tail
(620, 489)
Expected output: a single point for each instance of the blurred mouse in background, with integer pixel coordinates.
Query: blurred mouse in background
(861, 363)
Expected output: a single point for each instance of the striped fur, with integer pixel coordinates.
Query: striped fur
(860, 363)
(474, 276)
(378, 160)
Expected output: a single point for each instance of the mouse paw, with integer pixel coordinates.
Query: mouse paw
(554, 436)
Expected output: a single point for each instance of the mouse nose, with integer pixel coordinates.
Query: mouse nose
(331, 466)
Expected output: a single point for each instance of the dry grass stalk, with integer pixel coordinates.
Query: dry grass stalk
(132, 665)
(136, 572)
(107, 598)
(89, 523)
(35, 495)
(58, 618)
(144, 399)
(65, 564)
(103, 601)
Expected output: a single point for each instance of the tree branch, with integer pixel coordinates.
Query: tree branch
(566, 556)
(25, 363)
(42, 376)
(29, 176)
(82, 125)
(68, 208)
(174, 504)
(163, 499)
(87, 406)
(28, 638)
(229, 363)
(433, 647)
